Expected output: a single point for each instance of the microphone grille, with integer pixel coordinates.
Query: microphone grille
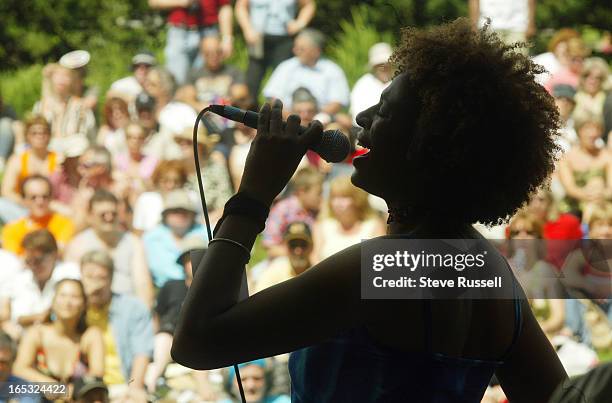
(333, 147)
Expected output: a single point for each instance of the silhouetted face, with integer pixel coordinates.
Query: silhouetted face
(37, 197)
(253, 381)
(383, 170)
(38, 136)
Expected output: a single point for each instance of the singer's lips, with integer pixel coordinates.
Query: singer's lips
(362, 142)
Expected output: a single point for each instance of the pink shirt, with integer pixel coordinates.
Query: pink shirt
(145, 168)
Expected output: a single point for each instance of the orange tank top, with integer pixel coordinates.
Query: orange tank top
(24, 171)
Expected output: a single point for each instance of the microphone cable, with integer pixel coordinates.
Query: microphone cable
(205, 209)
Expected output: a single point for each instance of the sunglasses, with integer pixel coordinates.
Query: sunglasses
(298, 243)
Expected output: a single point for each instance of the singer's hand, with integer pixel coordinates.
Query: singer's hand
(275, 153)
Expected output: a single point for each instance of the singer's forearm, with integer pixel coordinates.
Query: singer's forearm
(215, 287)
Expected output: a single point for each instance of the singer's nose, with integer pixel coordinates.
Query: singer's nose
(364, 118)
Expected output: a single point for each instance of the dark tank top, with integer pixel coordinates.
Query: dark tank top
(355, 368)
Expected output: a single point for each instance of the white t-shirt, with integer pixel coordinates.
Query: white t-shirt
(511, 15)
(366, 93)
(148, 210)
(10, 266)
(25, 295)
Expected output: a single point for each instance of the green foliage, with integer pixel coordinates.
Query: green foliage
(40, 31)
(350, 47)
(21, 88)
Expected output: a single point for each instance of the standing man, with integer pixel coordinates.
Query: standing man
(188, 22)
(268, 27)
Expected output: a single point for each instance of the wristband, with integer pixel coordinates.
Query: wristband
(244, 205)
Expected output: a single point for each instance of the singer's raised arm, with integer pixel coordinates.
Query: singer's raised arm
(214, 328)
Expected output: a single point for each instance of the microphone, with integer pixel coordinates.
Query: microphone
(333, 147)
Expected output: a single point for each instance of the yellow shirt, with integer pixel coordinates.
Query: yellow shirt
(112, 362)
(13, 233)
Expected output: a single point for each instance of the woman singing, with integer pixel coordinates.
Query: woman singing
(462, 134)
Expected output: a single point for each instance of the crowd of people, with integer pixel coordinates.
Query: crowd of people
(100, 216)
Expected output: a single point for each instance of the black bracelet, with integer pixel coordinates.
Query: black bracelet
(245, 205)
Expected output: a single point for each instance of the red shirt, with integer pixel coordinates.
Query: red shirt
(207, 15)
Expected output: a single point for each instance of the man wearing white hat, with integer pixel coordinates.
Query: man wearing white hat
(368, 88)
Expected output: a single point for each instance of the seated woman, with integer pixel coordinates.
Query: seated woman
(591, 93)
(36, 159)
(112, 133)
(63, 348)
(168, 176)
(429, 137)
(526, 254)
(586, 171)
(133, 166)
(349, 219)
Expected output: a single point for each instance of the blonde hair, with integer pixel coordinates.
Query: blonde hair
(100, 258)
(343, 187)
(595, 63)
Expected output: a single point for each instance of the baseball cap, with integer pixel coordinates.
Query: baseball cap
(75, 59)
(144, 57)
(379, 54)
(144, 101)
(298, 230)
(178, 200)
(86, 384)
(564, 91)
